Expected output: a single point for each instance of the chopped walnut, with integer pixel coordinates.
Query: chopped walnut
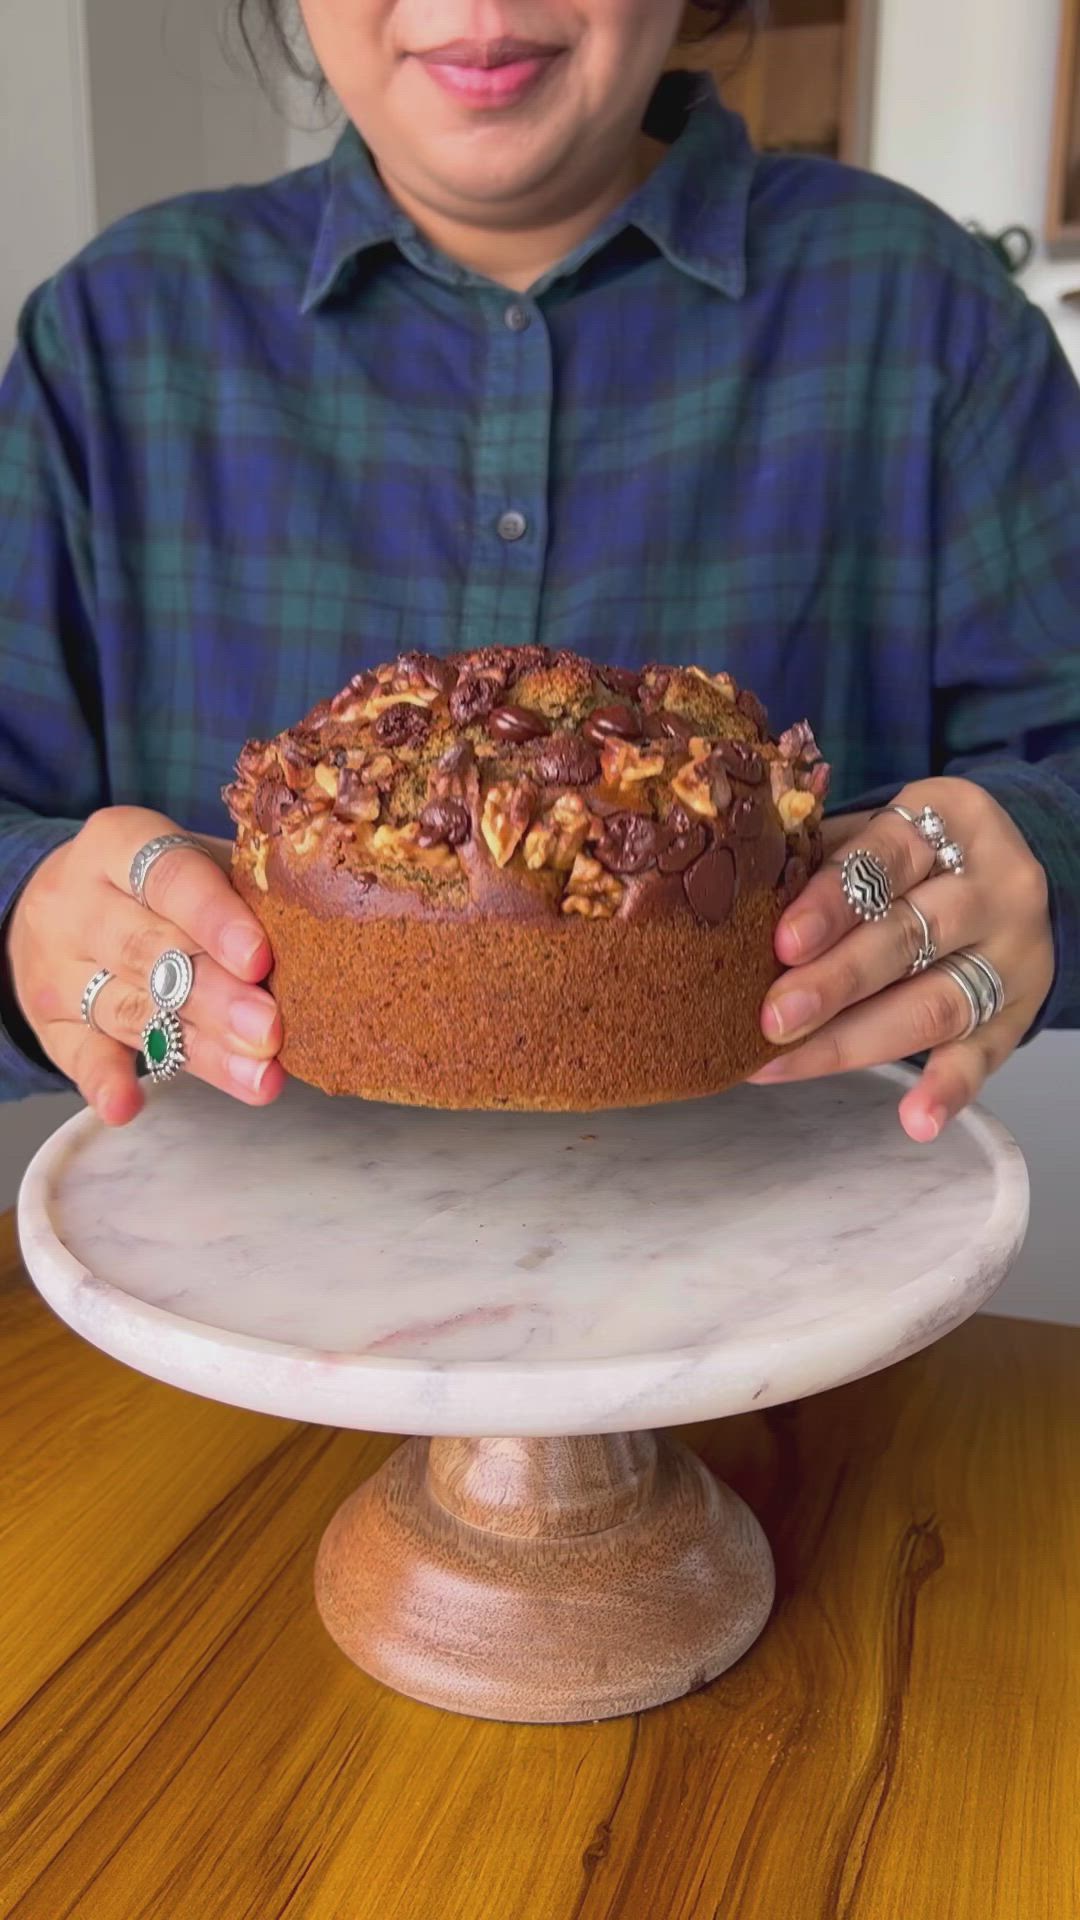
(507, 812)
(304, 830)
(559, 834)
(402, 845)
(327, 778)
(795, 809)
(623, 764)
(258, 849)
(356, 799)
(591, 891)
(693, 785)
(781, 778)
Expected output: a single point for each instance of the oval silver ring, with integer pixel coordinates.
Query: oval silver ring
(171, 980)
(866, 884)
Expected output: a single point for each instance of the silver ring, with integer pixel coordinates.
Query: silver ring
(163, 1046)
(867, 887)
(151, 852)
(949, 857)
(928, 823)
(986, 980)
(928, 952)
(90, 993)
(956, 973)
(171, 980)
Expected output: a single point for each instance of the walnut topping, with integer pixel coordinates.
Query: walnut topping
(693, 785)
(507, 812)
(327, 778)
(559, 834)
(591, 891)
(623, 764)
(258, 850)
(402, 845)
(795, 809)
(357, 798)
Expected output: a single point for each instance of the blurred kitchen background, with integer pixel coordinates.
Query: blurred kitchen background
(106, 105)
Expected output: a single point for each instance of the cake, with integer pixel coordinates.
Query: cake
(514, 878)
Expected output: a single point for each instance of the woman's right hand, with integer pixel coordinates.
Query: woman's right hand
(76, 915)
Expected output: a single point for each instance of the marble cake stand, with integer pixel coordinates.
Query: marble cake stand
(566, 1282)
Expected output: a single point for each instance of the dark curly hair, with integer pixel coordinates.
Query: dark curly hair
(264, 23)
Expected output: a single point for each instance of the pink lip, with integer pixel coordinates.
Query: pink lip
(495, 74)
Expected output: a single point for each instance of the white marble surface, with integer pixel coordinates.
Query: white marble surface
(421, 1272)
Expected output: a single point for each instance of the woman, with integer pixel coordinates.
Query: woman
(544, 352)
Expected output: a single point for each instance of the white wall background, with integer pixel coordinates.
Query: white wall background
(106, 104)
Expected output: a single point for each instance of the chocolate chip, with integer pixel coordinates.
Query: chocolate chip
(493, 663)
(684, 841)
(355, 798)
(668, 726)
(741, 762)
(747, 819)
(444, 823)
(622, 680)
(719, 785)
(457, 759)
(516, 724)
(565, 760)
(612, 723)
(749, 704)
(629, 844)
(472, 699)
(401, 725)
(268, 795)
(433, 670)
(710, 885)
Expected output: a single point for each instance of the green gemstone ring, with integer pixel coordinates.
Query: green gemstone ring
(163, 1046)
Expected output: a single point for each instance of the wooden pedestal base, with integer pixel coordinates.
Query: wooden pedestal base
(544, 1580)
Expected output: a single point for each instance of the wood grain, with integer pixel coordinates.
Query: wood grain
(618, 1561)
(1063, 202)
(180, 1737)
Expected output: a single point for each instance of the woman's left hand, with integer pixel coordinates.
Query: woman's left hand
(849, 988)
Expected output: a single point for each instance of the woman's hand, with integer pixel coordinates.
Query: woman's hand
(848, 989)
(76, 915)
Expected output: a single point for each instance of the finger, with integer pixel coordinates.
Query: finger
(821, 915)
(843, 830)
(122, 1011)
(954, 1076)
(875, 956)
(102, 1069)
(186, 887)
(914, 1017)
(132, 939)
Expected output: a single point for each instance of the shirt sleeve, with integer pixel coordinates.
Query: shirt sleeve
(51, 760)
(1007, 645)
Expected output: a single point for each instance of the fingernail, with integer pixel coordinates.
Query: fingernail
(925, 1127)
(252, 1020)
(775, 1070)
(247, 1073)
(239, 945)
(790, 1012)
(805, 932)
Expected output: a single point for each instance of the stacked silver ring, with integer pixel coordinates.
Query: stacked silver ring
(929, 825)
(90, 993)
(171, 980)
(981, 984)
(146, 857)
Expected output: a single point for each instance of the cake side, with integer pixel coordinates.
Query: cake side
(493, 1014)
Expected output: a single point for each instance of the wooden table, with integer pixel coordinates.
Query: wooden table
(180, 1740)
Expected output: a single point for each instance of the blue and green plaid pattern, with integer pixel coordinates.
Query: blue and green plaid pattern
(776, 416)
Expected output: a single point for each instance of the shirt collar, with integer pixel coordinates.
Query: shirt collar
(693, 206)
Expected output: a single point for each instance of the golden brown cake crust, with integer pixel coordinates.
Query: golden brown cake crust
(517, 879)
